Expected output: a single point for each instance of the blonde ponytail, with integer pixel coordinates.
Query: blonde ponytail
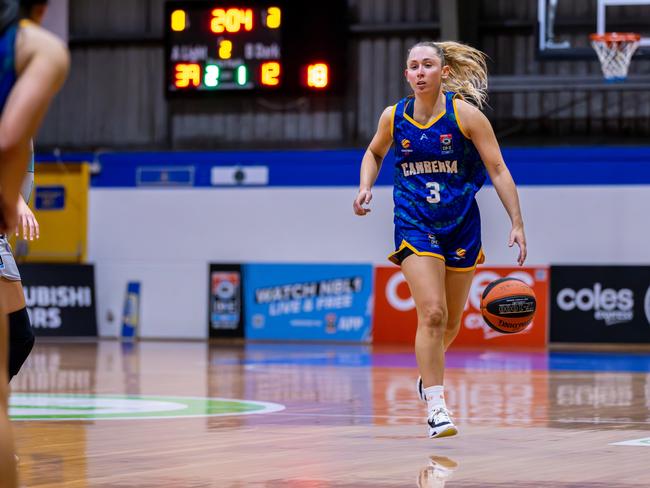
(467, 70)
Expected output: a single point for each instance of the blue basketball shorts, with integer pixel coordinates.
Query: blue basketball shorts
(460, 249)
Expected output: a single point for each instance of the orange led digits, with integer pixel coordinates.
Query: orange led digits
(317, 75)
(225, 49)
(187, 74)
(231, 20)
(270, 73)
(273, 17)
(178, 20)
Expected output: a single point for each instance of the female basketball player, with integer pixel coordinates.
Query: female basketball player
(21, 337)
(33, 66)
(443, 147)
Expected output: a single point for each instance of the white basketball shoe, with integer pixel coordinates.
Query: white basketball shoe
(439, 424)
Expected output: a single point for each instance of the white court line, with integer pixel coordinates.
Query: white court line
(490, 420)
(645, 442)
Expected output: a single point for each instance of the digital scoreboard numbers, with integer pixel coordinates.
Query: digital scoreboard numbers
(254, 46)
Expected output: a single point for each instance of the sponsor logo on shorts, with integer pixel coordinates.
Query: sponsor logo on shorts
(460, 252)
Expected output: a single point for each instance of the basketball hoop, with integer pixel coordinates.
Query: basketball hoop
(615, 50)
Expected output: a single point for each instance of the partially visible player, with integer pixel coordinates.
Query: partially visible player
(21, 336)
(443, 147)
(33, 66)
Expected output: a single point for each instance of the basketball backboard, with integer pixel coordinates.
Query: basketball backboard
(564, 25)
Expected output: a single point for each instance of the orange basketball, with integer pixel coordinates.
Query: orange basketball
(508, 305)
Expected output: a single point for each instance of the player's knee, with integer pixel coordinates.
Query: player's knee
(452, 326)
(433, 318)
(21, 340)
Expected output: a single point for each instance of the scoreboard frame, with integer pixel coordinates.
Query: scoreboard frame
(312, 39)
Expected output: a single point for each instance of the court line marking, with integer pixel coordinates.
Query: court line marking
(267, 407)
(644, 442)
(473, 419)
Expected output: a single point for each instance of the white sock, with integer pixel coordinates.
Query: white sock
(435, 396)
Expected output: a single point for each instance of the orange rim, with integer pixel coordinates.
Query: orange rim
(615, 37)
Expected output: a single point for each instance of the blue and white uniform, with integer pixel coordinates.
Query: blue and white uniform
(8, 77)
(436, 176)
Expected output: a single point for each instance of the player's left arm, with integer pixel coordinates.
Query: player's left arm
(27, 221)
(478, 128)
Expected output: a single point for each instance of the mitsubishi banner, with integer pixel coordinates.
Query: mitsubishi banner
(395, 318)
(60, 298)
(594, 304)
(308, 302)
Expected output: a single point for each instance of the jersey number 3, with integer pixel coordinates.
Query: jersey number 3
(434, 188)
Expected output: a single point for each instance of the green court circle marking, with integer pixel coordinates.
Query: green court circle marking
(61, 406)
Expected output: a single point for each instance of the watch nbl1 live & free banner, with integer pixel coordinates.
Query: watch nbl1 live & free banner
(60, 298)
(395, 318)
(308, 302)
(592, 304)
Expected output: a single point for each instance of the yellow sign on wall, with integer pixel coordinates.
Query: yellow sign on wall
(60, 204)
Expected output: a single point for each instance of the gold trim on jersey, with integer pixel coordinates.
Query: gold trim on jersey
(479, 260)
(392, 120)
(405, 245)
(420, 126)
(460, 126)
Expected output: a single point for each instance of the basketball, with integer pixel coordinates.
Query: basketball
(508, 305)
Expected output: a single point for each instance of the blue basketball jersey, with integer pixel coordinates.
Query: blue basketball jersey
(7, 63)
(437, 170)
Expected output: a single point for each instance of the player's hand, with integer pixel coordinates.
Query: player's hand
(26, 221)
(363, 198)
(517, 236)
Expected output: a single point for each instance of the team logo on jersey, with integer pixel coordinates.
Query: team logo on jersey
(423, 137)
(460, 252)
(446, 144)
(406, 144)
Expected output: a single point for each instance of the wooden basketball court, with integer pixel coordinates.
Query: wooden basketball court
(333, 416)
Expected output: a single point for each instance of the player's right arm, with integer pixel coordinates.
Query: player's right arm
(42, 63)
(372, 159)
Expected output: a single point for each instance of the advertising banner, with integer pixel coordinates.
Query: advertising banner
(226, 307)
(308, 302)
(593, 304)
(395, 319)
(60, 298)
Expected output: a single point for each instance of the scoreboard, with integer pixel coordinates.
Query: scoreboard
(255, 46)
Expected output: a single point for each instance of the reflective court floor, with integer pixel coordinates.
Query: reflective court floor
(191, 414)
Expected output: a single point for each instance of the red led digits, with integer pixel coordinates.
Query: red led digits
(231, 20)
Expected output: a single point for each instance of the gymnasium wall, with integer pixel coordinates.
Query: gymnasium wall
(581, 206)
(114, 96)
